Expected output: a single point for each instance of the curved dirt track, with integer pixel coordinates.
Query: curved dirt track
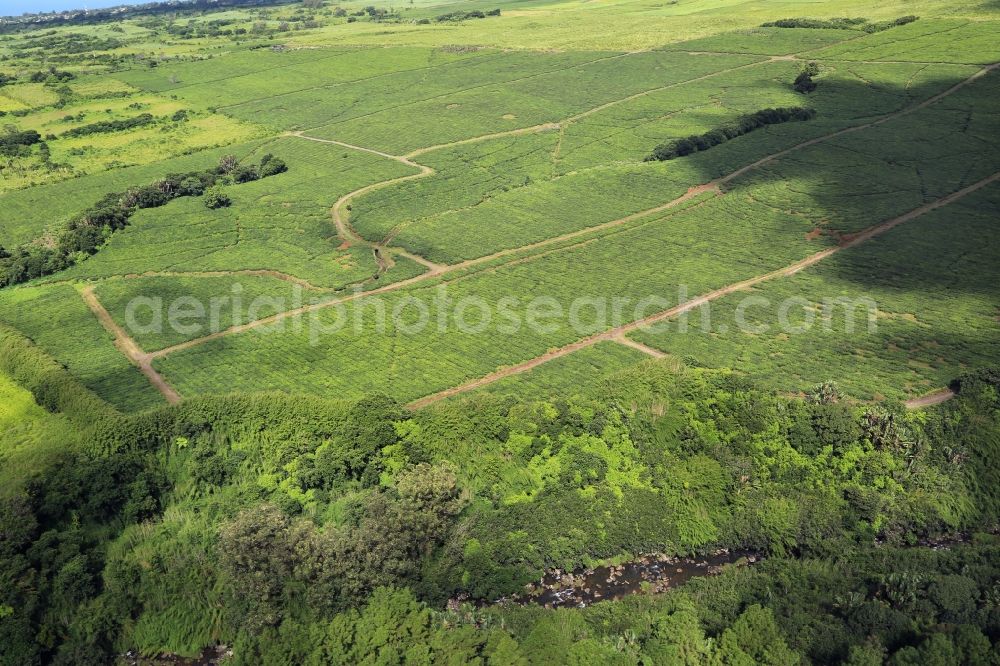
(439, 270)
(616, 334)
(349, 235)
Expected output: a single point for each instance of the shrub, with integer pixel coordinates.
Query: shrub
(272, 167)
(833, 23)
(885, 25)
(13, 140)
(742, 125)
(462, 16)
(215, 197)
(804, 82)
(191, 186)
(105, 126)
(840, 23)
(244, 174)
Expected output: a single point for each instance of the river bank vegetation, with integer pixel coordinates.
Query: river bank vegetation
(308, 531)
(801, 470)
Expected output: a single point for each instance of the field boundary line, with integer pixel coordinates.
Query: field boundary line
(252, 272)
(532, 129)
(129, 347)
(714, 185)
(621, 331)
(558, 125)
(347, 233)
(625, 100)
(476, 87)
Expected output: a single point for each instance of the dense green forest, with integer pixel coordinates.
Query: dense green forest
(303, 531)
(459, 332)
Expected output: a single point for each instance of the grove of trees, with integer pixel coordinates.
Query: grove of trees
(304, 531)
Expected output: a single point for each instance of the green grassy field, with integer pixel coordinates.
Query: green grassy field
(280, 223)
(528, 126)
(720, 242)
(590, 171)
(329, 409)
(29, 436)
(56, 319)
(701, 248)
(932, 280)
(624, 24)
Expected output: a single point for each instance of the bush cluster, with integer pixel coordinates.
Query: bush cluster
(274, 523)
(12, 142)
(885, 25)
(84, 235)
(104, 126)
(51, 75)
(804, 81)
(462, 16)
(842, 23)
(743, 125)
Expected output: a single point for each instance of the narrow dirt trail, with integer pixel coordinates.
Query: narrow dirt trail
(935, 398)
(635, 344)
(691, 194)
(856, 128)
(127, 346)
(274, 319)
(533, 129)
(616, 334)
(436, 270)
(625, 100)
(439, 269)
(348, 234)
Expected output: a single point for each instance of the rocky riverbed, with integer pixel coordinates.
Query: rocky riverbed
(647, 574)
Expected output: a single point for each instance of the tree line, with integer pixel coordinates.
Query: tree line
(743, 125)
(84, 235)
(842, 23)
(105, 126)
(306, 531)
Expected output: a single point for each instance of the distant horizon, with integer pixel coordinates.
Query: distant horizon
(19, 7)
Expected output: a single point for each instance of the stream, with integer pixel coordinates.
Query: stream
(647, 574)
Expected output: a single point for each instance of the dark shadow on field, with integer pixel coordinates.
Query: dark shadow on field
(859, 179)
(941, 268)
